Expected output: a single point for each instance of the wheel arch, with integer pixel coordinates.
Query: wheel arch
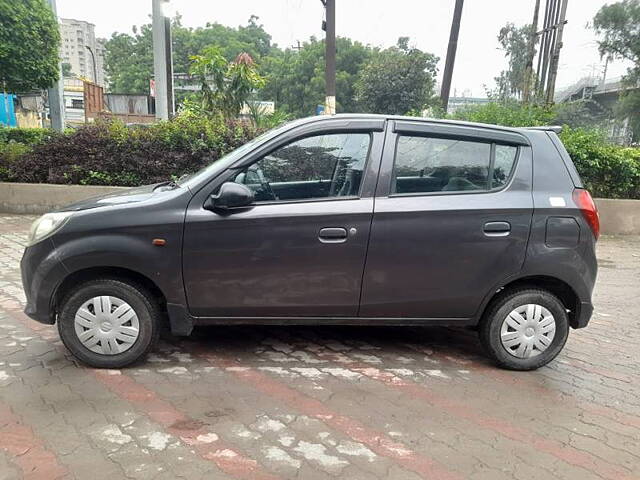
(554, 285)
(117, 273)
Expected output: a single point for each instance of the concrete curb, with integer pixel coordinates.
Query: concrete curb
(617, 217)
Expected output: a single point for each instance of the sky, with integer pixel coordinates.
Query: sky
(380, 23)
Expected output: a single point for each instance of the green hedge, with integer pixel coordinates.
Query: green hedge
(26, 136)
(110, 153)
(608, 170)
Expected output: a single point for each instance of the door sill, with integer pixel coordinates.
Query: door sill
(382, 321)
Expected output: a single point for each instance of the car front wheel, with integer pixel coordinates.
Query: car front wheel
(108, 323)
(525, 329)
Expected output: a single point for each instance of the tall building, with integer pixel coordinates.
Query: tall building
(76, 36)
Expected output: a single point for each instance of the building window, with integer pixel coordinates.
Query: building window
(77, 103)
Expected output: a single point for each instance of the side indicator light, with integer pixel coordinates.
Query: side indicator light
(159, 242)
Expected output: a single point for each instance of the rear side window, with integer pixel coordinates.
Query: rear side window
(431, 165)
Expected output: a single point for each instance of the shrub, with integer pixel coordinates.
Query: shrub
(607, 170)
(27, 136)
(10, 153)
(110, 153)
(507, 114)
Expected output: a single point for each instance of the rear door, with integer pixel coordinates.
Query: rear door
(300, 250)
(451, 221)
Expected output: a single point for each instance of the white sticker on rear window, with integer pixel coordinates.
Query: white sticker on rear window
(557, 202)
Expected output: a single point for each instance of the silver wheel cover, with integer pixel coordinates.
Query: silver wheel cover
(107, 325)
(528, 331)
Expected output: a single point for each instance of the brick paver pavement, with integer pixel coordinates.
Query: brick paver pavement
(324, 402)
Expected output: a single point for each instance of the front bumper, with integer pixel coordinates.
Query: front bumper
(41, 273)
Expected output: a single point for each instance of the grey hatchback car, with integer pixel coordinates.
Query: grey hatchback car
(344, 219)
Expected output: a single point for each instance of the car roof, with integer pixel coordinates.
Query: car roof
(373, 116)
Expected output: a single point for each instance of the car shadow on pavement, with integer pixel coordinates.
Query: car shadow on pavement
(386, 346)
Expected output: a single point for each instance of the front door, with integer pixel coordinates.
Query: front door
(300, 251)
(452, 219)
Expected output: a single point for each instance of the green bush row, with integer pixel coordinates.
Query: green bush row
(608, 170)
(110, 153)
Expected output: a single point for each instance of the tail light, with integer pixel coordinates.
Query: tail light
(587, 206)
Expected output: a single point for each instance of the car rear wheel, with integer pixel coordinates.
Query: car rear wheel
(525, 329)
(109, 323)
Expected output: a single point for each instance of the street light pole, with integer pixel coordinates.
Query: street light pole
(162, 64)
(330, 56)
(55, 92)
(95, 70)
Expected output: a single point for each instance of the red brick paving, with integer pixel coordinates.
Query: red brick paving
(324, 402)
(27, 451)
(375, 440)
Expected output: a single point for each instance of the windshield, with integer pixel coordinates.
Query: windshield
(230, 158)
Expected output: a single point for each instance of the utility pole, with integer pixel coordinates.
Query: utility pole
(55, 92)
(330, 56)
(546, 46)
(555, 59)
(162, 63)
(451, 55)
(528, 71)
(95, 70)
(604, 71)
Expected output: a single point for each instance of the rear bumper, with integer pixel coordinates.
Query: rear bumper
(583, 315)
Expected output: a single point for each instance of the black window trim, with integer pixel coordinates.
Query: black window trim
(492, 159)
(321, 133)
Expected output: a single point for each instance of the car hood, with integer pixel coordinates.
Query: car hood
(130, 195)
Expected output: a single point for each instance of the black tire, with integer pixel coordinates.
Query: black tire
(142, 302)
(491, 324)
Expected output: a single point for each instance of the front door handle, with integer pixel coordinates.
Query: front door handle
(497, 229)
(333, 235)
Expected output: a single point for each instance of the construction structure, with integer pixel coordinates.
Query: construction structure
(600, 97)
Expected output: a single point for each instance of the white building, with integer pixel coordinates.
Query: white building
(76, 36)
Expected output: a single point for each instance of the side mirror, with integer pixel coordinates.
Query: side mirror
(232, 196)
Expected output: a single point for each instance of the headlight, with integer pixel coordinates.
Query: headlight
(46, 226)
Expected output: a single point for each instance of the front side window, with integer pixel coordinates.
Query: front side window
(322, 166)
(429, 164)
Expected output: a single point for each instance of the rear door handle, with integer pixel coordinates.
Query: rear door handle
(333, 235)
(497, 229)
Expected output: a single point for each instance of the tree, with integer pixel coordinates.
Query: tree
(619, 26)
(224, 86)
(295, 79)
(514, 41)
(29, 45)
(397, 80)
(129, 57)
